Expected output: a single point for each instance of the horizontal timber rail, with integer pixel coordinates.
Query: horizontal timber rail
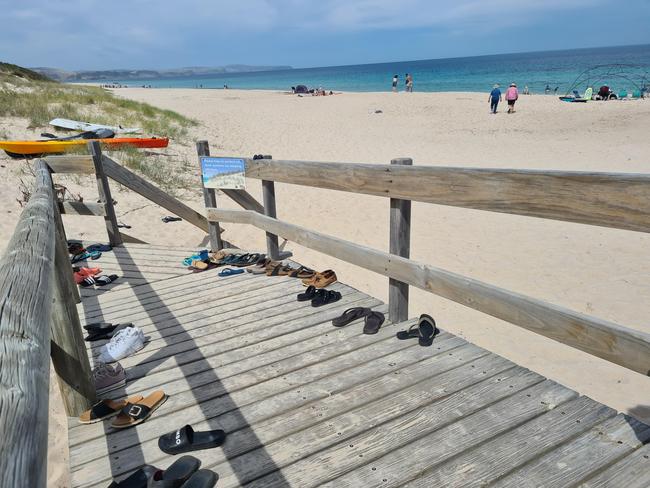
(607, 340)
(619, 200)
(38, 320)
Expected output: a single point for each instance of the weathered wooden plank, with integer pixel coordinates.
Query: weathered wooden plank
(326, 433)
(70, 207)
(294, 385)
(624, 346)
(495, 458)
(71, 163)
(26, 280)
(349, 408)
(619, 200)
(445, 421)
(210, 199)
(633, 471)
(68, 349)
(105, 197)
(400, 245)
(268, 194)
(572, 463)
(153, 193)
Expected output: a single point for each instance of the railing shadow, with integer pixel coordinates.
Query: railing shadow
(136, 455)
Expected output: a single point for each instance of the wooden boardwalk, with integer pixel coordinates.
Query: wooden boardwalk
(306, 404)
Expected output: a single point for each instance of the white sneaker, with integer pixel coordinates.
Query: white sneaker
(124, 343)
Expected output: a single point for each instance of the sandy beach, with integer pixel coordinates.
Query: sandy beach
(597, 271)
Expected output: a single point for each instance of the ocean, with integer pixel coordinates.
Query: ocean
(625, 67)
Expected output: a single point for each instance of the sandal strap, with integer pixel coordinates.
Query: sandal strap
(136, 411)
(100, 410)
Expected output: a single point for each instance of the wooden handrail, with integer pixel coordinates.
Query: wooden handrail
(26, 280)
(619, 200)
(607, 340)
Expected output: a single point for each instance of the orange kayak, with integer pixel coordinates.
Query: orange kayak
(35, 148)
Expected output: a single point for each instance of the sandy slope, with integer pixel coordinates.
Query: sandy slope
(602, 272)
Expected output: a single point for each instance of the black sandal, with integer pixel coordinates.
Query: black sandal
(373, 323)
(350, 315)
(186, 440)
(309, 294)
(427, 330)
(323, 297)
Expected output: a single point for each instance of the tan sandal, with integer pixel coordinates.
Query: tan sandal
(321, 280)
(105, 409)
(135, 413)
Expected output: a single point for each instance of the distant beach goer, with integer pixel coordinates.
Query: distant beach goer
(512, 94)
(494, 98)
(395, 79)
(409, 83)
(547, 90)
(526, 91)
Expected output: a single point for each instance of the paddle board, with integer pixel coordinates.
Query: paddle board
(19, 149)
(86, 126)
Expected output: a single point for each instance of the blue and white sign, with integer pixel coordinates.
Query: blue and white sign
(226, 173)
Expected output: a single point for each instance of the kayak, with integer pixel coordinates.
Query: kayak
(84, 126)
(19, 149)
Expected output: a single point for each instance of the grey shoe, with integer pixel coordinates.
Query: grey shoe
(108, 377)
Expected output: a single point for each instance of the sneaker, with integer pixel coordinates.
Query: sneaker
(108, 378)
(126, 342)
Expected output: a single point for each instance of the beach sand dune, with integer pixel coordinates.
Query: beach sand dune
(598, 271)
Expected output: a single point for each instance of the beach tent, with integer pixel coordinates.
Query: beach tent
(302, 89)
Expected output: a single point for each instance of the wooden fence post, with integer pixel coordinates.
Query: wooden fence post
(68, 350)
(268, 193)
(400, 244)
(114, 237)
(210, 199)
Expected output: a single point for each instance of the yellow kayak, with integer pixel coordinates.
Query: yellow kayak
(19, 149)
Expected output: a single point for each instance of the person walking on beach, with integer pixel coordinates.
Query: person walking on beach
(409, 83)
(395, 79)
(511, 97)
(494, 98)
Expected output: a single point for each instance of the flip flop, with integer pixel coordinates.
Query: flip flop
(350, 315)
(324, 297)
(99, 248)
(105, 409)
(427, 330)
(101, 334)
(170, 218)
(229, 272)
(176, 474)
(136, 412)
(302, 272)
(203, 478)
(138, 479)
(321, 280)
(198, 264)
(86, 255)
(105, 280)
(186, 439)
(309, 294)
(201, 256)
(373, 323)
(99, 326)
(411, 333)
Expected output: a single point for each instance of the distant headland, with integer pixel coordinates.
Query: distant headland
(148, 74)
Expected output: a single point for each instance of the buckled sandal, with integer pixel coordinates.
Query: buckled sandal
(134, 413)
(105, 409)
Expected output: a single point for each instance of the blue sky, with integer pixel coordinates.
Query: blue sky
(92, 34)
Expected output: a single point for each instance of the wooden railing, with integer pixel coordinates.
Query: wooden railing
(618, 200)
(38, 320)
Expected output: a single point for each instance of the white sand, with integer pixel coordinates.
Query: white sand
(598, 271)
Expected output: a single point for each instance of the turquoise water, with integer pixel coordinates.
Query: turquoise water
(536, 70)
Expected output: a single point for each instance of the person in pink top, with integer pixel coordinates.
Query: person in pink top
(511, 97)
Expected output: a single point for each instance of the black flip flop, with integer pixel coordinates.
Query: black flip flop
(99, 248)
(186, 440)
(427, 330)
(96, 326)
(176, 474)
(170, 218)
(203, 478)
(137, 479)
(350, 315)
(373, 323)
(323, 297)
(309, 294)
(411, 333)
